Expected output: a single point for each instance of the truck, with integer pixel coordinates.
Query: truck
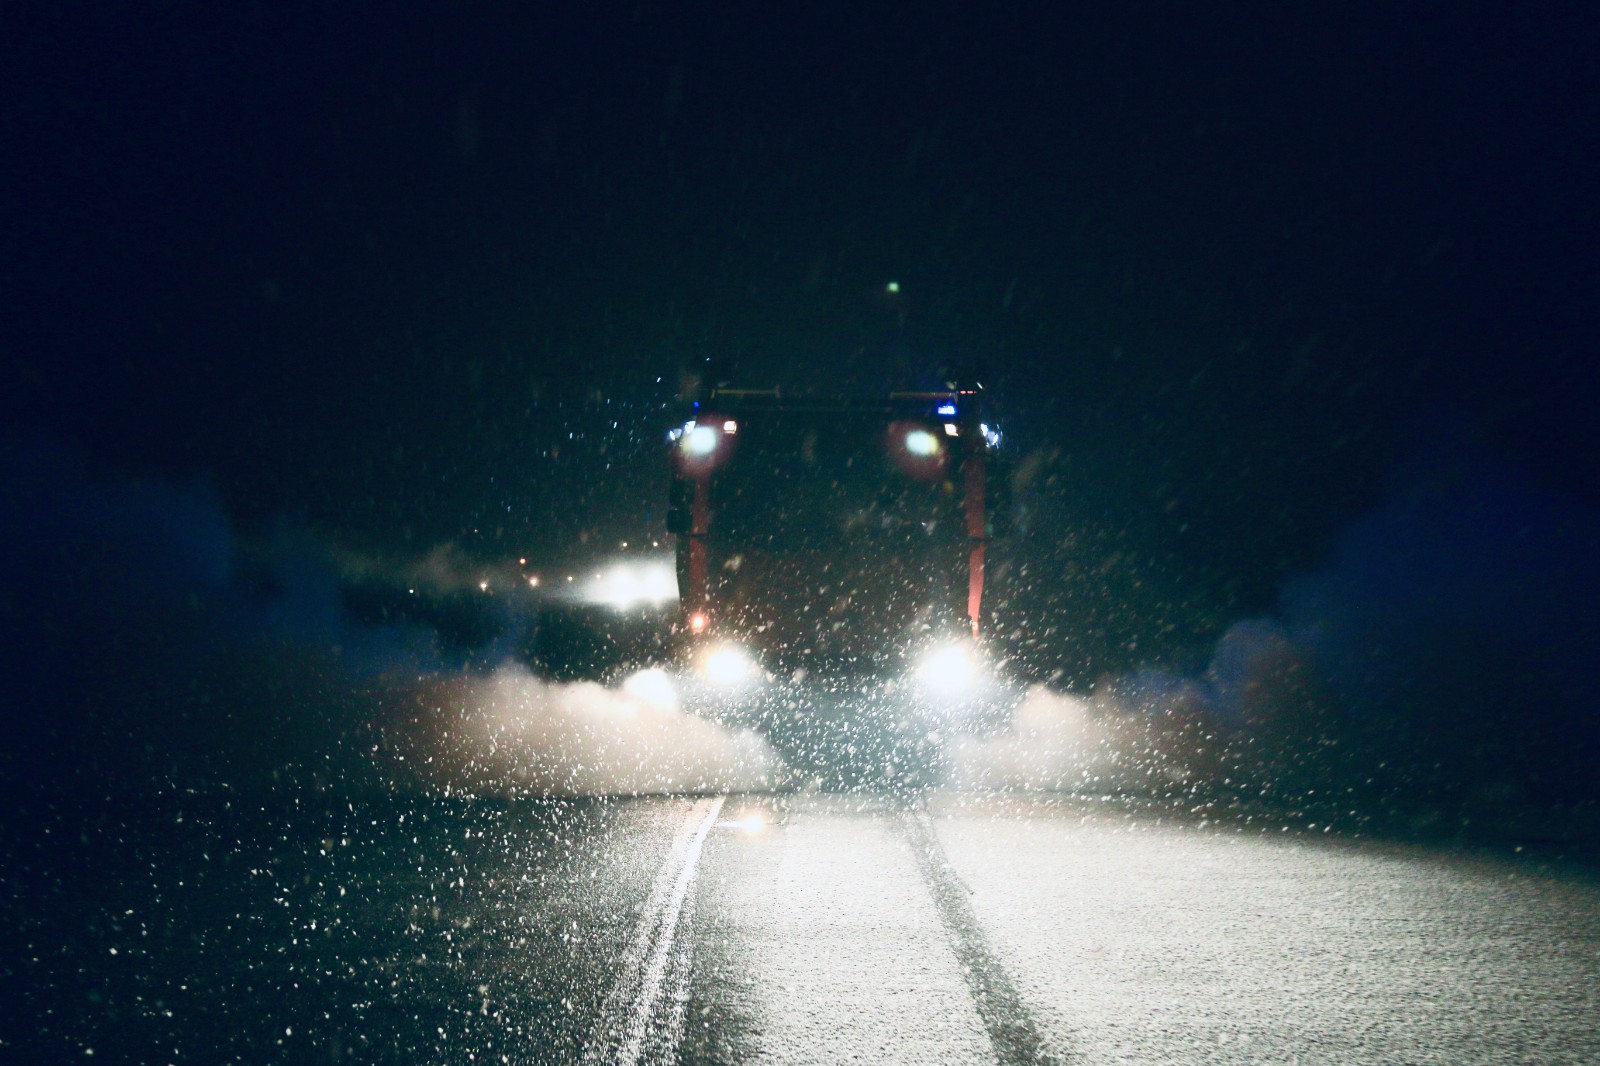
(833, 557)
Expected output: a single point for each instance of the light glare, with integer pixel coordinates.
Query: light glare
(751, 822)
(729, 665)
(951, 669)
(625, 586)
(701, 441)
(921, 443)
(652, 686)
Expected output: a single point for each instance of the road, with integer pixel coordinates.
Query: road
(939, 928)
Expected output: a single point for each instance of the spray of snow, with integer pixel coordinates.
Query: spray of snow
(1444, 650)
(1108, 741)
(157, 649)
(515, 734)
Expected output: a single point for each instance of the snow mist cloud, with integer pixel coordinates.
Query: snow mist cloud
(1446, 650)
(149, 647)
(1107, 741)
(512, 733)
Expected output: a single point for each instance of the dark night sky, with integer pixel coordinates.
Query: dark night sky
(405, 272)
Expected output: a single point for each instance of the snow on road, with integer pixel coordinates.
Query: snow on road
(782, 929)
(1138, 940)
(843, 954)
(642, 1018)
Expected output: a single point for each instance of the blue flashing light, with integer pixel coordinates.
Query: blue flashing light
(947, 409)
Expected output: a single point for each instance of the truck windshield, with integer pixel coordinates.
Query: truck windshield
(799, 482)
(836, 527)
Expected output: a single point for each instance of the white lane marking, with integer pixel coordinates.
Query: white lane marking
(629, 1028)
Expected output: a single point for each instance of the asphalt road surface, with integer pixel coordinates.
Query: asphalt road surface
(789, 929)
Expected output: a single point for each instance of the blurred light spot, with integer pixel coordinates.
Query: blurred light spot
(751, 822)
(629, 585)
(951, 669)
(652, 686)
(921, 443)
(701, 441)
(729, 665)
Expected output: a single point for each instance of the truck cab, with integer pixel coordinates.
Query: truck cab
(834, 539)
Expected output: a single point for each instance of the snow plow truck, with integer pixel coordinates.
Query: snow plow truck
(834, 561)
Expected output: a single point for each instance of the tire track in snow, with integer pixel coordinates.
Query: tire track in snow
(1012, 1032)
(642, 1017)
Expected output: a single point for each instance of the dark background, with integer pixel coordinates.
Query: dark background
(1238, 279)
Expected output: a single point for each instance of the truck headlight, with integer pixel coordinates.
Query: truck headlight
(728, 665)
(702, 440)
(950, 670)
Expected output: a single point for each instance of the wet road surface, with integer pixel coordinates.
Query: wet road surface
(790, 929)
